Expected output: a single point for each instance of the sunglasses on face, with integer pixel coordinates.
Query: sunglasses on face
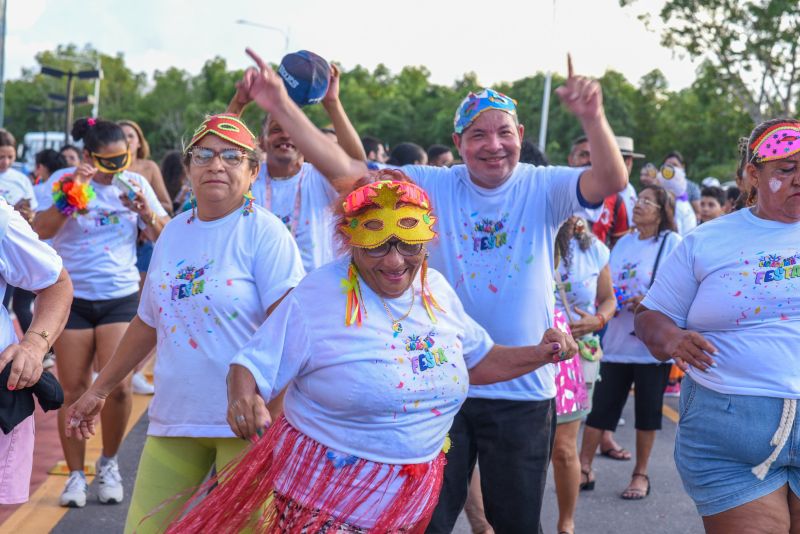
(112, 163)
(230, 157)
(405, 249)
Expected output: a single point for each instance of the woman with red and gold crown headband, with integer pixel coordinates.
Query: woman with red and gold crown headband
(216, 272)
(376, 354)
(726, 304)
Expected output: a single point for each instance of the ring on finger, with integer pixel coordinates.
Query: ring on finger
(239, 418)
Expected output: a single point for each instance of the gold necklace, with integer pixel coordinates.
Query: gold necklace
(397, 326)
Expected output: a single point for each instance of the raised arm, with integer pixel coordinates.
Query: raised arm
(345, 132)
(608, 174)
(266, 89)
(503, 363)
(47, 223)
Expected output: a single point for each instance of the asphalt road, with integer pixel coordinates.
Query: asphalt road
(666, 510)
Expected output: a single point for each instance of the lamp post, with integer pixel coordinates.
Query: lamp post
(69, 98)
(2, 60)
(285, 33)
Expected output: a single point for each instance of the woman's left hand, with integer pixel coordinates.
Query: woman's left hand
(24, 209)
(557, 346)
(585, 325)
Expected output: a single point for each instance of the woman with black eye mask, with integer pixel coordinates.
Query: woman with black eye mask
(94, 215)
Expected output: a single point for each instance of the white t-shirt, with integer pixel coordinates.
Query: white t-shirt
(629, 197)
(580, 281)
(631, 264)
(362, 390)
(207, 290)
(736, 280)
(99, 248)
(495, 247)
(15, 186)
(685, 217)
(25, 262)
(315, 229)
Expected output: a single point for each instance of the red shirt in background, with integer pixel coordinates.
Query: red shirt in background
(613, 221)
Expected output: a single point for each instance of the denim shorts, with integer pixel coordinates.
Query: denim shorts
(721, 438)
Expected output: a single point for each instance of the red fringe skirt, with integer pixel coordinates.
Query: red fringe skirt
(289, 482)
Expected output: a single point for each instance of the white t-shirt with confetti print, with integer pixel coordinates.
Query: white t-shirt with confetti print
(208, 288)
(495, 247)
(315, 229)
(363, 390)
(736, 280)
(99, 248)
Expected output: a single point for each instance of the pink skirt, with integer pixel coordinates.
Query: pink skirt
(571, 393)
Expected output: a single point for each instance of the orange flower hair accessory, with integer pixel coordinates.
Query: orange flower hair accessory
(395, 209)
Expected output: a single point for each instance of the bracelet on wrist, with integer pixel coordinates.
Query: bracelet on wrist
(70, 197)
(602, 320)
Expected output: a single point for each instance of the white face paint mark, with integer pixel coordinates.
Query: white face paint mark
(774, 184)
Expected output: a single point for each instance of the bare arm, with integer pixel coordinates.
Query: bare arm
(49, 222)
(50, 312)
(345, 131)
(266, 89)
(504, 363)
(137, 342)
(157, 183)
(608, 174)
(665, 340)
(605, 309)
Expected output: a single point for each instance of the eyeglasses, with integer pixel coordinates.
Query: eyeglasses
(230, 157)
(647, 202)
(403, 248)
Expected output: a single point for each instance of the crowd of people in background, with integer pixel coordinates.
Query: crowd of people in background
(550, 291)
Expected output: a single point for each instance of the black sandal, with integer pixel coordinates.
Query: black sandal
(589, 484)
(633, 494)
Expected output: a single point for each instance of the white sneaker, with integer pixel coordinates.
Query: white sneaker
(74, 494)
(109, 482)
(141, 386)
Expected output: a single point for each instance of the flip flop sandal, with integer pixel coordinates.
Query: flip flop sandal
(633, 494)
(617, 454)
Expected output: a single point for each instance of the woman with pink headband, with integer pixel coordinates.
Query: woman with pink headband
(726, 306)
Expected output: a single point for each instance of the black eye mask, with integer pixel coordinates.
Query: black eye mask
(114, 163)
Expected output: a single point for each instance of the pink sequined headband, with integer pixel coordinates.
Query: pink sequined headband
(778, 142)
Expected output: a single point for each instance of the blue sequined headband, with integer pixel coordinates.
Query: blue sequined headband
(476, 103)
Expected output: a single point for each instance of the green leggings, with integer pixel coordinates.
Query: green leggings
(170, 466)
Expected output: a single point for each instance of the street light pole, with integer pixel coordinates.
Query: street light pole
(69, 99)
(2, 61)
(285, 33)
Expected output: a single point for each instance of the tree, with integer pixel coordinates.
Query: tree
(751, 44)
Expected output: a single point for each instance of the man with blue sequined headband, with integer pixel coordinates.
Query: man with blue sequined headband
(498, 221)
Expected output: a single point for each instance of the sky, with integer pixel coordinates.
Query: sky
(499, 41)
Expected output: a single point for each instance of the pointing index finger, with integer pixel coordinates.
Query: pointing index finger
(570, 72)
(256, 58)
